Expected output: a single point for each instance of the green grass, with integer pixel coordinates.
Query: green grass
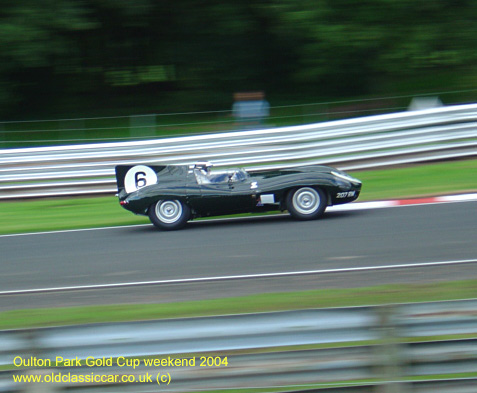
(421, 180)
(62, 213)
(70, 213)
(384, 294)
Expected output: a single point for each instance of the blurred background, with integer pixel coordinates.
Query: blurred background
(72, 58)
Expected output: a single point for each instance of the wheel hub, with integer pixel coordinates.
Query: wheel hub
(306, 200)
(169, 211)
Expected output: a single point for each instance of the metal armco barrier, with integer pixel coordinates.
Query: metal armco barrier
(366, 142)
(383, 345)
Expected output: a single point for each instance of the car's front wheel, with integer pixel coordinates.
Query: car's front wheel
(169, 214)
(306, 203)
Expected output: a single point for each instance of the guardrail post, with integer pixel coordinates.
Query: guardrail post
(389, 355)
(142, 126)
(2, 135)
(36, 351)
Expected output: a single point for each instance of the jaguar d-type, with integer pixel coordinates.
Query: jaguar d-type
(171, 195)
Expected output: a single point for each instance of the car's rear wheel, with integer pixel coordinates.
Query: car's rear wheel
(169, 214)
(306, 203)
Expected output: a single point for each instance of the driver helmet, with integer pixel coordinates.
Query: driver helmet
(204, 167)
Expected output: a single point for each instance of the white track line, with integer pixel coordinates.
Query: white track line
(75, 230)
(347, 207)
(237, 277)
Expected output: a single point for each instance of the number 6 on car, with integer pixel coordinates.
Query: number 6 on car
(139, 176)
(171, 195)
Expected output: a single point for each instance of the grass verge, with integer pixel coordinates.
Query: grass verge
(420, 180)
(71, 213)
(384, 294)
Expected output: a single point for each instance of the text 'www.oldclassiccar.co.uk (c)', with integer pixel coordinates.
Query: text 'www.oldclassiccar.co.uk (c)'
(115, 375)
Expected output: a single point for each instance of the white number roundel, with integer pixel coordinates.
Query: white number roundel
(139, 176)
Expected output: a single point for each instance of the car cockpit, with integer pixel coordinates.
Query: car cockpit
(204, 174)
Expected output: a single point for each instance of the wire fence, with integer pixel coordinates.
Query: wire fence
(145, 126)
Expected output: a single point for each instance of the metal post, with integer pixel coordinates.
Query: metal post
(142, 126)
(389, 352)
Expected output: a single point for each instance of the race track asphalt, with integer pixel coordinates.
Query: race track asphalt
(400, 235)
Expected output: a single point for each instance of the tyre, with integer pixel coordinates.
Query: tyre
(306, 203)
(169, 214)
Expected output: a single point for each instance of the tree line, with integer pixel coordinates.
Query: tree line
(63, 56)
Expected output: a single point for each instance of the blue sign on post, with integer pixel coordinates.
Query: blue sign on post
(250, 108)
